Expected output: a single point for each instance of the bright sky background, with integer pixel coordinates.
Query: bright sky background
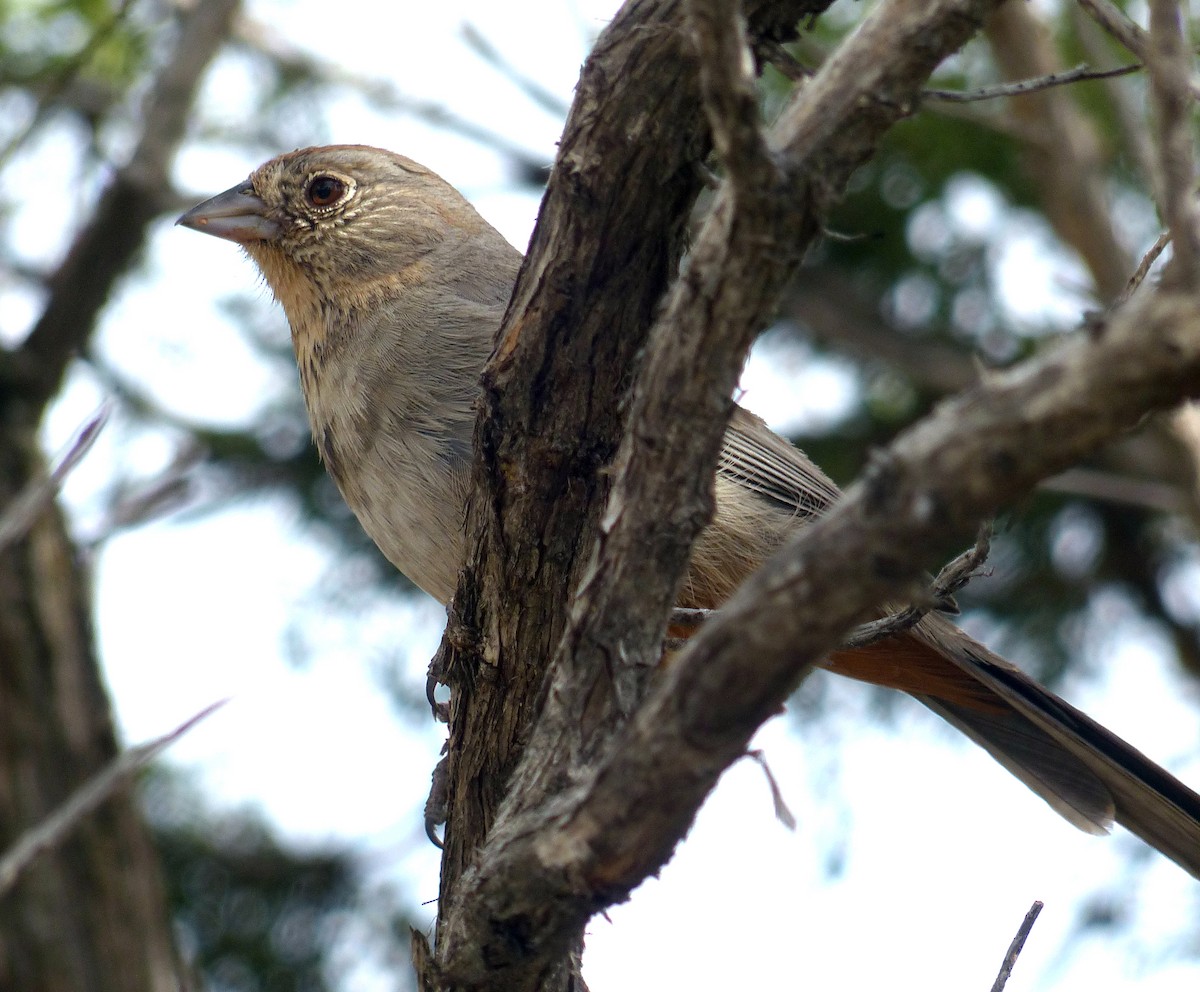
(941, 851)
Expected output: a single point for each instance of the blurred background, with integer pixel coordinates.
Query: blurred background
(201, 553)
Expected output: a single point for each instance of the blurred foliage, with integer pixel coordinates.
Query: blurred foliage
(255, 915)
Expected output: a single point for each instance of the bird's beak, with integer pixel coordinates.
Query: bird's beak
(236, 215)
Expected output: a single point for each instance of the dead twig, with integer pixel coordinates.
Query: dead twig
(1143, 269)
(483, 47)
(782, 813)
(1130, 35)
(1015, 948)
(29, 503)
(1080, 73)
(52, 831)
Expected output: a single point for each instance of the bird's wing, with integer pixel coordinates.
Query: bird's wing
(758, 459)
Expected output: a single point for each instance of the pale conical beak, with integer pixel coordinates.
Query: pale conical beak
(235, 215)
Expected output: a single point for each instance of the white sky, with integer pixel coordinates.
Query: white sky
(943, 851)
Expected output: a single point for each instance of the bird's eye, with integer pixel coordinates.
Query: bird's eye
(325, 191)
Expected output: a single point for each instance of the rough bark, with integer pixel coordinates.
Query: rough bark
(637, 116)
(513, 903)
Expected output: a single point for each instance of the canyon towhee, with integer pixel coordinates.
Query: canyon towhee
(394, 287)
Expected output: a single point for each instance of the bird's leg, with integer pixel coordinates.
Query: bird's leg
(939, 596)
(437, 805)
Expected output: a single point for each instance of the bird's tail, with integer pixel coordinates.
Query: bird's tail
(1086, 773)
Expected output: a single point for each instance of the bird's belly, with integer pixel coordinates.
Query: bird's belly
(418, 533)
(409, 494)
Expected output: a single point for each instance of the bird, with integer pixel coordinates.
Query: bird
(394, 287)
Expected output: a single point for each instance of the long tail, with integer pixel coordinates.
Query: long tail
(1085, 772)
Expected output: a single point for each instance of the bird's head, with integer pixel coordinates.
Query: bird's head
(343, 222)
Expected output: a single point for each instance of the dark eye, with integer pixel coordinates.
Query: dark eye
(324, 191)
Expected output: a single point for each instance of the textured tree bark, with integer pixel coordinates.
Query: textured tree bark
(92, 915)
(637, 116)
(512, 908)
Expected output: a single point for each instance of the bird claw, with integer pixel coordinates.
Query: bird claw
(437, 805)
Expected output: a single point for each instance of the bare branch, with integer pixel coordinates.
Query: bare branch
(1169, 62)
(964, 462)
(1111, 487)
(104, 249)
(782, 813)
(1128, 33)
(1080, 73)
(730, 98)
(542, 870)
(1143, 269)
(541, 96)
(261, 38)
(785, 62)
(1070, 171)
(1128, 105)
(17, 518)
(59, 825)
(1017, 945)
(1118, 24)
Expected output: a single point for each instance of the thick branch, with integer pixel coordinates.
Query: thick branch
(975, 454)
(597, 268)
(523, 901)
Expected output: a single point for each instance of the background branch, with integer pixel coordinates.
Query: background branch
(103, 251)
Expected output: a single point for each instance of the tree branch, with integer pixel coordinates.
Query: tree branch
(1017, 945)
(104, 249)
(1169, 63)
(587, 846)
(586, 296)
(543, 870)
(20, 514)
(96, 790)
(1069, 173)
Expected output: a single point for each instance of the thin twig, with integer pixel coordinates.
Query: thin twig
(782, 813)
(1018, 943)
(1127, 33)
(1114, 487)
(20, 515)
(1080, 73)
(258, 37)
(52, 831)
(1143, 269)
(785, 62)
(483, 47)
(1127, 104)
(1118, 24)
